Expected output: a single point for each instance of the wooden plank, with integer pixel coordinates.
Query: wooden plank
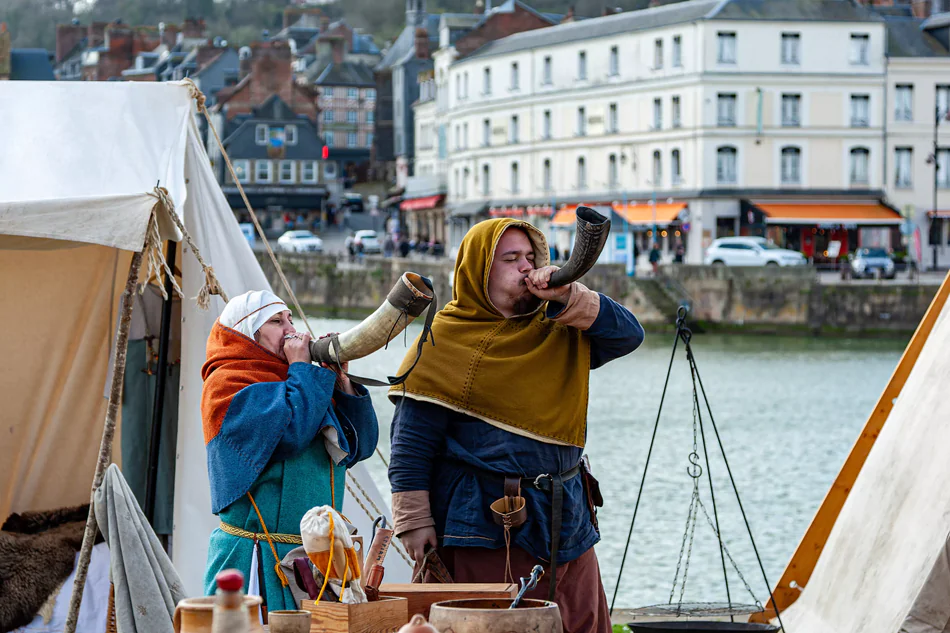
(386, 615)
(422, 596)
(803, 561)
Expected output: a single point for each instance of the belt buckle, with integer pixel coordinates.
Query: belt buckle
(537, 480)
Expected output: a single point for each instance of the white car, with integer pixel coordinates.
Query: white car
(750, 251)
(300, 242)
(367, 242)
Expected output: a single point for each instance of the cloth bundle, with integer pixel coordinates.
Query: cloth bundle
(330, 548)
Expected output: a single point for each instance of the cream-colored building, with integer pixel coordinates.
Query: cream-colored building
(732, 122)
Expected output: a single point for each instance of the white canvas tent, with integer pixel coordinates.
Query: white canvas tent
(79, 164)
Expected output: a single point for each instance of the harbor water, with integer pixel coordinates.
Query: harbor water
(787, 410)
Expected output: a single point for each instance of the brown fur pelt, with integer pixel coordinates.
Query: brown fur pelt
(37, 553)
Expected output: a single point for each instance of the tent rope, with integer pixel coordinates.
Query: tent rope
(201, 103)
(211, 285)
(156, 259)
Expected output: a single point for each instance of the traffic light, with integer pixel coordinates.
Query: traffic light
(326, 152)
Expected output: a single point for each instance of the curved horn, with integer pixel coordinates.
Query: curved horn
(409, 298)
(592, 231)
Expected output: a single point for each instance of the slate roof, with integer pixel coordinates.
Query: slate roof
(30, 64)
(346, 74)
(906, 38)
(509, 6)
(794, 10)
(406, 41)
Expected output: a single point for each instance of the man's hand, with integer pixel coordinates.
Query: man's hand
(297, 349)
(537, 282)
(415, 542)
(342, 380)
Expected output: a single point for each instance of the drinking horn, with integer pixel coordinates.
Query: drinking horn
(409, 298)
(589, 240)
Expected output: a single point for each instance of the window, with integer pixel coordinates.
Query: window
(581, 122)
(329, 139)
(657, 114)
(458, 188)
(369, 139)
(351, 139)
(943, 100)
(458, 137)
(329, 170)
(657, 169)
(726, 110)
(486, 180)
(514, 178)
(904, 103)
(547, 71)
(465, 176)
(657, 54)
(308, 172)
(514, 75)
(614, 61)
(726, 165)
(288, 171)
(675, 118)
(943, 168)
(676, 169)
(458, 87)
(370, 116)
(370, 94)
(860, 110)
(581, 173)
(261, 134)
(859, 49)
(351, 116)
(242, 169)
(726, 52)
(903, 159)
(791, 45)
(613, 125)
(546, 125)
(612, 173)
(290, 134)
(486, 132)
(465, 85)
(352, 93)
(860, 158)
(677, 51)
(513, 129)
(791, 110)
(328, 116)
(582, 65)
(328, 92)
(465, 136)
(791, 166)
(547, 174)
(486, 82)
(262, 171)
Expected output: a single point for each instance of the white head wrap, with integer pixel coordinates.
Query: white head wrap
(248, 312)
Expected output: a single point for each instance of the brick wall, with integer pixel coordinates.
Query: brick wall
(270, 73)
(498, 26)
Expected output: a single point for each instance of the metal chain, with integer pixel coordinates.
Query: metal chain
(729, 556)
(679, 562)
(689, 553)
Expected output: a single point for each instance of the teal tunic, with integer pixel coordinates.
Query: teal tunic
(296, 478)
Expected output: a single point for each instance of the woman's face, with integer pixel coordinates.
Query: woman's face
(271, 335)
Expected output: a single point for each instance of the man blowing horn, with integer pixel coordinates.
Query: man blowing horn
(488, 435)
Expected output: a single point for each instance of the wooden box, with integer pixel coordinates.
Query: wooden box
(386, 615)
(421, 596)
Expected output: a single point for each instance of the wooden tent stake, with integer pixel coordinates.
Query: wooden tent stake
(108, 433)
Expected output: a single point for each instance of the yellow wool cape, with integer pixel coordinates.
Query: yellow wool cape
(526, 374)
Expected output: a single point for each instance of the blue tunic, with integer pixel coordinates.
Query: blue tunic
(429, 441)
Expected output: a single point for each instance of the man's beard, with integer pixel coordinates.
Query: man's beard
(526, 303)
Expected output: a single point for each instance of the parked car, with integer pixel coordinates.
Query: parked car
(750, 251)
(871, 262)
(367, 242)
(300, 242)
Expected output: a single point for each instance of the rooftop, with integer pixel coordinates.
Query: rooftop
(30, 64)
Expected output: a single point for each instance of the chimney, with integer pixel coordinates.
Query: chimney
(479, 7)
(170, 35)
(194, 28)
(337, 44)
(96, 34)
(422, 43)
(67, 36)
(569, 17)
(324, 24)
(291, 15)
(5, 47)
(922, 9)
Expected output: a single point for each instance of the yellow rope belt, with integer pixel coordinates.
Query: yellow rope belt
(287, 539)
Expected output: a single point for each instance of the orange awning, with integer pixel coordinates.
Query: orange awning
(642, 214)
(418, 204)
(565, 216)
(939, 213)
(829, 213)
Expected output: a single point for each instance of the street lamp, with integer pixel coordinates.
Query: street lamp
(938, 117)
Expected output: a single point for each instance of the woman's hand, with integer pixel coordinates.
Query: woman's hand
(415, 542)
(537, 282)
(297, 348)
(343, 382)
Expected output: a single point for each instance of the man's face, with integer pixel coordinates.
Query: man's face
(513, 259)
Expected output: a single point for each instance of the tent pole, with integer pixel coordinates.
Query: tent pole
(158, 408)
(108, 433)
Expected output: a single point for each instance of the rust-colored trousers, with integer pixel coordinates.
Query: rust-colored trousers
(579, 593)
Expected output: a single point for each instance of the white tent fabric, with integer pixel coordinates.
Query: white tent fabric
(885, 562)
(88, 155)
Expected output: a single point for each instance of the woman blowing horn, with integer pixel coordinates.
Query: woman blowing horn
(280, 432)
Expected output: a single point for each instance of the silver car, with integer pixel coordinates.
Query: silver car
(871, 262)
